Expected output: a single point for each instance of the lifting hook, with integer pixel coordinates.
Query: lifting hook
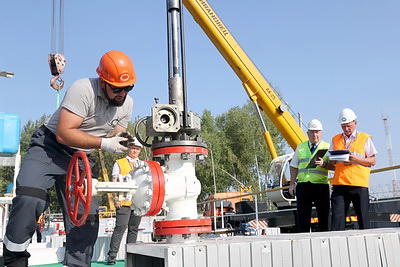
(57, 65)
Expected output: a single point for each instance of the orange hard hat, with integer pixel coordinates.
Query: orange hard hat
(116, 68)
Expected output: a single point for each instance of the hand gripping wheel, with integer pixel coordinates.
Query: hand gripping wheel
(79, 190)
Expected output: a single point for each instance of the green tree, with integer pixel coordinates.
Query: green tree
(237, 145)
(209, 171)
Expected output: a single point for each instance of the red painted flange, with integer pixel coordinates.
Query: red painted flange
(190, 226)
(78, 191)
(180, 149)
(158, 188)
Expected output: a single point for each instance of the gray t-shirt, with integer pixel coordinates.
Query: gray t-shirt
(86, 99)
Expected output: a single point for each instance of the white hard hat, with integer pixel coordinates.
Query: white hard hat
(134, 142)
(314, 125)
(346, 116)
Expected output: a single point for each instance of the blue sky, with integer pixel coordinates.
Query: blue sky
(322, 55)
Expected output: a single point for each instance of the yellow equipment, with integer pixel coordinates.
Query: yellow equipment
(110, 196)
(246, 190)
(104, 212)
(256, 86)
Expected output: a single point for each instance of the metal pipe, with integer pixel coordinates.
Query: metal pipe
(174, 61)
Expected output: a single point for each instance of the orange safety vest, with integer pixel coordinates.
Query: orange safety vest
(352, 173)
(124, 168)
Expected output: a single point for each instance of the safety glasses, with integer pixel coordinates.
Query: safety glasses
(117, 90)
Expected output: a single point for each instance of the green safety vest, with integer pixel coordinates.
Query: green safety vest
(317, 175)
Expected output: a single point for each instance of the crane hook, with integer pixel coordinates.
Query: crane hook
(57, 65)
(55, 85)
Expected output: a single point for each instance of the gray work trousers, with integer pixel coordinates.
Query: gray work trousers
(46, 164)
(124, 218)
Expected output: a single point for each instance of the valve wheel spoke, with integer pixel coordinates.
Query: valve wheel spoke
(78, 188)
(140, 129)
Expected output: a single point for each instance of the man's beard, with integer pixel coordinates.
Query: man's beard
(114, 102)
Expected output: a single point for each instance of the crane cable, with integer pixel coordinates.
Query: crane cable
(56, 58)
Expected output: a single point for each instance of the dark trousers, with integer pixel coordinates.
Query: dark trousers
(342, 196)
(309, 194)
(38, 234)
(46, 164)
(124, 218)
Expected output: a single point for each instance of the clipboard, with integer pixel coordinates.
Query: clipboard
(320, 153)
(339, 152)
(339, 155)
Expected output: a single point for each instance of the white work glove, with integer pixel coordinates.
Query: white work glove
(113, 145)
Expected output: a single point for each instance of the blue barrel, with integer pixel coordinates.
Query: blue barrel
(10, 127)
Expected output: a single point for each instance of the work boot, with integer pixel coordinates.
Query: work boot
(15, 259)
(111, 260)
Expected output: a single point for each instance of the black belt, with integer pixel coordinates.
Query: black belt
(70, 151)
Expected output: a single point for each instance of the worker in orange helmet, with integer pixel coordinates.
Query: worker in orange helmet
(92, 115)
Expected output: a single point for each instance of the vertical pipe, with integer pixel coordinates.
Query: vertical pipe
(176, 88)
(256, 206)
(222, 214)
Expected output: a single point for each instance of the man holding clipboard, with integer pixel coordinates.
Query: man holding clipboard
(308, 167)
(351, 180)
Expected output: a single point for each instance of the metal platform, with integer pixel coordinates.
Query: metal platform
(366, 248)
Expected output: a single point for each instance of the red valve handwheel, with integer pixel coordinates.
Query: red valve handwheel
(158, 188)
(78, 191)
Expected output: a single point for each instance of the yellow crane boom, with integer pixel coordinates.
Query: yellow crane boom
(256, 86)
